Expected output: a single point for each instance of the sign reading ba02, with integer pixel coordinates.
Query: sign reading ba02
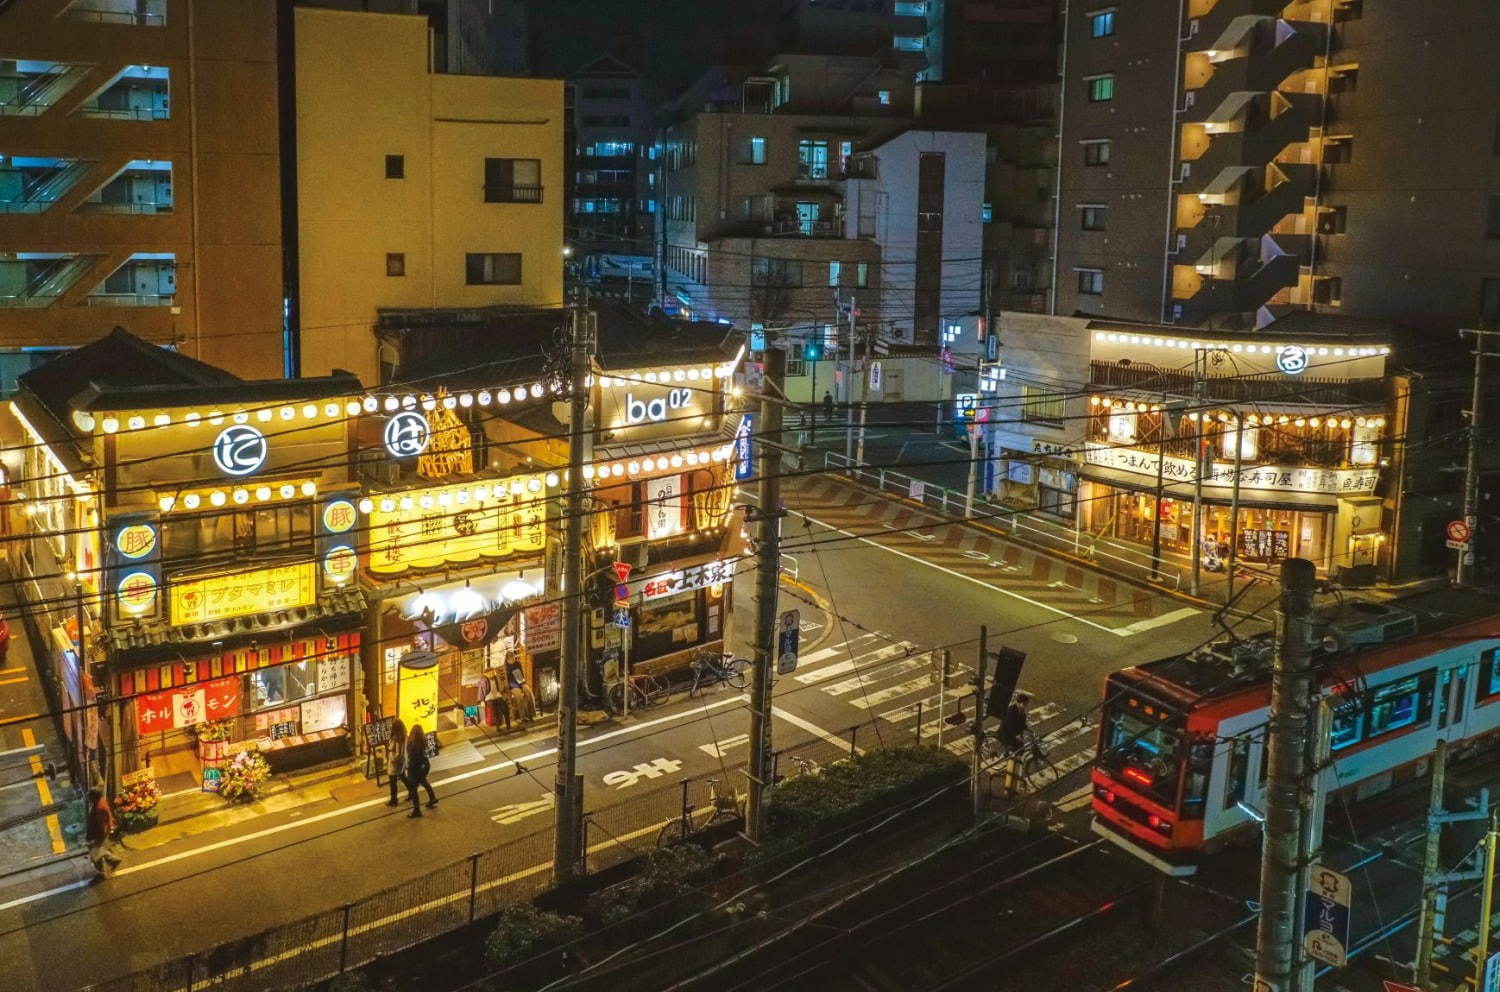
(668, 403)
(238, 594)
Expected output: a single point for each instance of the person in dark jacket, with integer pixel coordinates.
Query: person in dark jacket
(1013, 723)
(100, 834)
(418, 764)
(395, 759)
(828, 406)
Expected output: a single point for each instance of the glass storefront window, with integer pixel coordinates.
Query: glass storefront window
(280, 685)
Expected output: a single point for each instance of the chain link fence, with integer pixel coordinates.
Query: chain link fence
(440, 901)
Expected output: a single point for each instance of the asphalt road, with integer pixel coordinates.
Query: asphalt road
(868, 655)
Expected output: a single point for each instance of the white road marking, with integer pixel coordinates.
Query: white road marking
(368, 803)
(1118, 631)
(825, 654)
(866, 700)
(516, 812)
(861, 681)
(909, 711)
(655, 768)
(811, 728)
(852, 664)
(718, 750)
(1140, 626)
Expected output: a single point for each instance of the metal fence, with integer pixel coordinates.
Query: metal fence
(346, 937)
(1029, 527)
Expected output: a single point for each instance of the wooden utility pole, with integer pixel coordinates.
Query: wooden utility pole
(768, 569)
(1276, 951)
(567, 849)
(1431, 868)
(1466, 574)
(976, 763)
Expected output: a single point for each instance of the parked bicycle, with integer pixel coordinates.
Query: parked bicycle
(725, 807)
(803, 766)
(711, 669)
(644, 690)
(1029, 758)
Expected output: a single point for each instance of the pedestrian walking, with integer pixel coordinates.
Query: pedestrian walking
(418, 764)
(100, 835)
(1013, 723)
(828, 406)
(395, 759)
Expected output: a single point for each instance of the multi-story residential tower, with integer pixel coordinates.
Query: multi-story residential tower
(415, 189)
(139, 158)
(1226, 160)
(612, 173)
(467, 37)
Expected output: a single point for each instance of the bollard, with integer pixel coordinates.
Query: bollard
(919, 721)
(853, 735)
(344, 944)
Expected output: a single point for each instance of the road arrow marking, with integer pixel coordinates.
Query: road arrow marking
(516, 812)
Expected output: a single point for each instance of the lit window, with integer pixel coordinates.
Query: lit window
(862, 274)
(833, 273)
(908, 43)
(988, 212)
(492, 269)
(1101, 88)
(1102, 23)
(753, 152)
(884, 96)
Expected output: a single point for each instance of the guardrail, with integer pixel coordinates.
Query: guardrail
(1011, 522)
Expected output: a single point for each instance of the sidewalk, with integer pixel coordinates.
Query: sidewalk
(27, 837)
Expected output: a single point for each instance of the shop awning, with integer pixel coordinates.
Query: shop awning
(662, 446)
(1273, 499)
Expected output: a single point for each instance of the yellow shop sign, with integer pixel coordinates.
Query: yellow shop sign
(431, 527)
(238, 594)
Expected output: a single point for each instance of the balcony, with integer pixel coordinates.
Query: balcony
(38, 279)
(513, 194)
(147, 13)
(1247, 135)
(1255, 54)
(138, 92)
(32, 185)
(29, 89)
(146, 279)
(142, 187)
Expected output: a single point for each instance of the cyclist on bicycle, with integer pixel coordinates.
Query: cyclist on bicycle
(1013, 723)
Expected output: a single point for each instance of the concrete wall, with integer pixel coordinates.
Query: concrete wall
(364, 92)
(223, 143)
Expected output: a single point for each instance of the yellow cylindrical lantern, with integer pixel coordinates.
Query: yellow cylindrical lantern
(417, 690)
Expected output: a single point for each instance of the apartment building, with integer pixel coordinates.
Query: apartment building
(894, 29)
(465, 37)
(611, 173)
(139, 158)
(415, 189)
(1225, 161)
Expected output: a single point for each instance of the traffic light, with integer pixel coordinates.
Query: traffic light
(811, 350)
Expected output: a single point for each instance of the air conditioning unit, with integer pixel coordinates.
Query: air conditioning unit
(1361, 623)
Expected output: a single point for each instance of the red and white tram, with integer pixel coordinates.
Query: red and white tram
(1181, 759)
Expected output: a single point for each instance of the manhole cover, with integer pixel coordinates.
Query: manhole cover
(1065, 638)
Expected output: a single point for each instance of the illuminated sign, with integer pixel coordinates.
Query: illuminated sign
(137, 592)
(664, 506)
(1291, 359)
(663, 584)
(240, 450)
(135, 541)
(407, 434)
(339, 516)
(174, 709)
(417, 690)
(430, 527)
(656, 409)
(339, 563)
(658, 403)
(1281, 478)
(744, 463)
(238, 594)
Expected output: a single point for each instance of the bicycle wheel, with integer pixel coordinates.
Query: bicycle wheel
(615, 698)
(737, 673)
(672, 832)
(990, 748)
(654, 688)
(1038, 770)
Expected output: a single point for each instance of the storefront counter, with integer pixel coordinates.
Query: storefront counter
(285, 754)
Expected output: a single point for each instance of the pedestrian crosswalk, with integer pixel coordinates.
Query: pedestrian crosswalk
(898, 684)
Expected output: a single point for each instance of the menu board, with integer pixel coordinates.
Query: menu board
(1265, 545)
(324, 714)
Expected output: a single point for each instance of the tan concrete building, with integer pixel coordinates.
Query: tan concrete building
(415, 189)
(139, 179)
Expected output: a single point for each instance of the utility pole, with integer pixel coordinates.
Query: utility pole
(973, 429)
(768, 567)
(864, 394)
(1287, 752)
(1466, 560)
(1234, 507)
(976, 763)
(1486, 908)
(1200, 368)
(849, 384)
(1314, 803)
(567, 847)
(1431, 869)
(1161, 460)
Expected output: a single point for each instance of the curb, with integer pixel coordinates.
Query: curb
(823, 604)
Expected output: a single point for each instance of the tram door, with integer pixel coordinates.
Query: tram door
(1453, 693)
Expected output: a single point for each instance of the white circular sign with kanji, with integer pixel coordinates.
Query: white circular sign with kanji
(1458, 530)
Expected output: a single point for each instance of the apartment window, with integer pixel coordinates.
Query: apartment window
(512, 180)
(1489, 299)
(834, 273)
(753, 152)
(779, 272)
(795, 367)
(493, 268)
(908, 42)
(1092, 216)
(884, 97)
(862, 274)
(812, 159)
(1329, 291)
(395, 166)
(846, 152)
(1492, 224)
(1090, 282)
(1096, 151)
(1041, 405)
(987, 213)
(1101, 88)
(1102, 23)
(395, 263)
(1338, 150)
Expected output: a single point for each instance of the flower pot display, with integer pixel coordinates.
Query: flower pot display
(135, 805)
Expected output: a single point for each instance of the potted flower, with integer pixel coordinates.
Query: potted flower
(135, 805)
(211, 736)
(242, 778)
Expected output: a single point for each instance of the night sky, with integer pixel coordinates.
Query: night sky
(672, 41)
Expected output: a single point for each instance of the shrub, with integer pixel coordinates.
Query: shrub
(665, 875)
(524, 931)
(844, 790)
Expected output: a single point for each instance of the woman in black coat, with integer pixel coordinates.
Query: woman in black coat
(417, 767)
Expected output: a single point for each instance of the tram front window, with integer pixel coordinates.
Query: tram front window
(1143, 747)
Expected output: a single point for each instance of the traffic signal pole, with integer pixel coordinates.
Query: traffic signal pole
(768, 568)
